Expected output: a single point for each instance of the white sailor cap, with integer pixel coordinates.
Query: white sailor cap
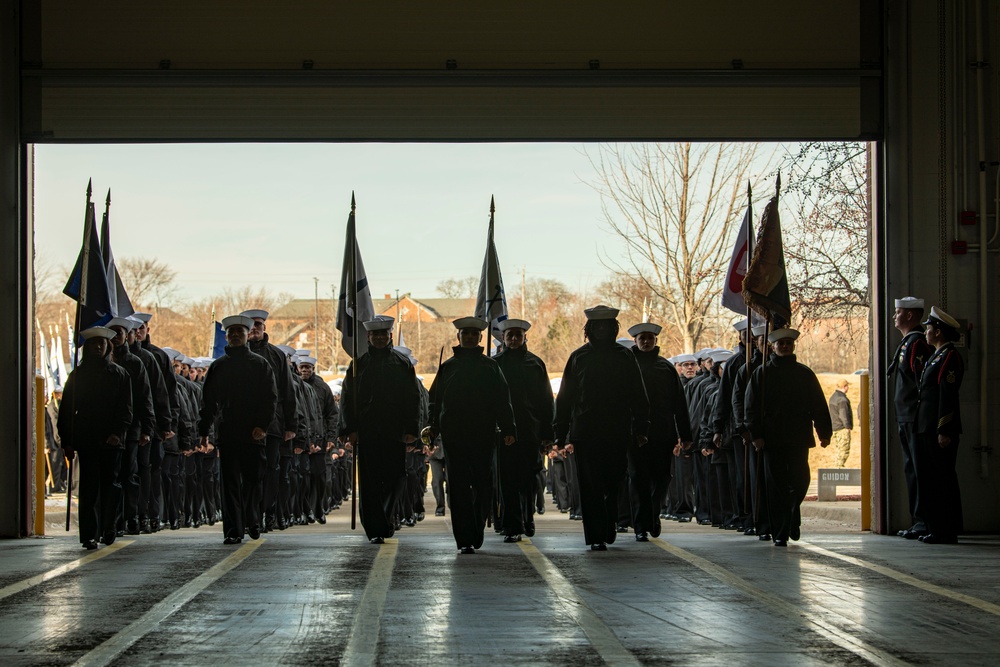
(380, 323)
(171, 353)
(143, 317)
(135, 321)
(406, 352)
(256, 314)
(200, 363)
(523, 325)
(758, 330)
(187, 361)
(470, 323)
(303, 353)
(98, 332)
(673, 360)
(287, 349)
(306, 360)
(782, 334)
(938, 318)
(720, 356)
(336, 389)
(122, 322)
(704, 352)
(910, 302)
(740, 325)
(644, 327)
(626, 342)
(685, 359)
(238, 321)
(601, 312)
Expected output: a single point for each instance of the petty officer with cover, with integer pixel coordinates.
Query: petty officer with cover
(781, 412)
(380, 404)
(907, 363)
(649, 465)
(469, 401)
(95, 416)
(531, 398)
(938, 426)
(239, 386)
(281, 429)
(601, 410)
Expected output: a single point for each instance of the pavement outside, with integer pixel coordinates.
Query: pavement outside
(323, 595)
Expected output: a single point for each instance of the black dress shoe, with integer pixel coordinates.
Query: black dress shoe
(90, 545)
(684, 519)
(601, 546)
(641, 537)
(781, 543)
(467, 550)
(541, 510)
(144, 527)
(704, 522)
(902, 533)
(795, 533)
(933, 538)
(420, 516)
(132, 528)
(254, 532)
(282, 525)
(576, 517)
(109, 537)
(529, 528)
(321, 519)
(377, 540)
(750, 531)
(510, 539)
(232, 540)
(563, 510)
(915, 534)
(439, 511)
(409, 522)
(657, 528)
(622, 529)
(764, 537)
(175, 525)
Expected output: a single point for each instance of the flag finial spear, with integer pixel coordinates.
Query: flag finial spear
(749, 190)
(107, 202)
(493, 206)
(777, 185)
(353, 203)
(90, 188)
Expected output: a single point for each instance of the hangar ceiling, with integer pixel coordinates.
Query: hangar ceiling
(449, 71)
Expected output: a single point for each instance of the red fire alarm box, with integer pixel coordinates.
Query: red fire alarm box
(967, 217)
(959, 247)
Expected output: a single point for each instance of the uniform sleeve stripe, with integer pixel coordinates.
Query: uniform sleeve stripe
(946, 419)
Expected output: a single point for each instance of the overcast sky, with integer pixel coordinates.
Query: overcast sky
(275, 214)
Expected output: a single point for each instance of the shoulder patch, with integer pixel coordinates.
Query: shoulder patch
(951, 377)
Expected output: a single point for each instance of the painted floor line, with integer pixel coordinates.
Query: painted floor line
(791, 611)
(104, 653)
(902, 577)
(25, 584)
(601, 637)
(362, 645)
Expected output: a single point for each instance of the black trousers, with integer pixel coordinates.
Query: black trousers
(601, 468)
(572, 469)
(100, 491)
(470, 489)
(560, 483)
(910, 446)
(286, 487)
(702, 485)
(759, 505)
(242, 466)
(414, 485)
(150, 458)
(194, 498)
(209, 464)
(317, 483)
(787, 473)
(128, 478)
(739, 471)
(172, 475)
(681, 490)
(381, 484)
(517, 467)
(438, 479)
(648, 473)
(269, 492)
(939, 485)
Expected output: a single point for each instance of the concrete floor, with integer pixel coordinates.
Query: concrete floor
(323, 595)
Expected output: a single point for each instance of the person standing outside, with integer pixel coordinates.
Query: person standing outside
(842, 419)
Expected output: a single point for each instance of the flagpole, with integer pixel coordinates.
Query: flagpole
(489, 326)
(749, 345)
(76, 331)
(354, 356)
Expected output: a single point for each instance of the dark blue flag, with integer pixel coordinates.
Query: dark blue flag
(88, 283)
(219, 347)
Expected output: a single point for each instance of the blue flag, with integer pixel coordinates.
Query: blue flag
(88, 283)
(219, 346)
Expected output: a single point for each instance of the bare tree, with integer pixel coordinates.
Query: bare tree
(459, 288)
(147, 280)
(828, 239)
(676, 207)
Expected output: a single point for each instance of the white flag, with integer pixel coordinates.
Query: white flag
(732, 290)
(491, 302)
(355, 304)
